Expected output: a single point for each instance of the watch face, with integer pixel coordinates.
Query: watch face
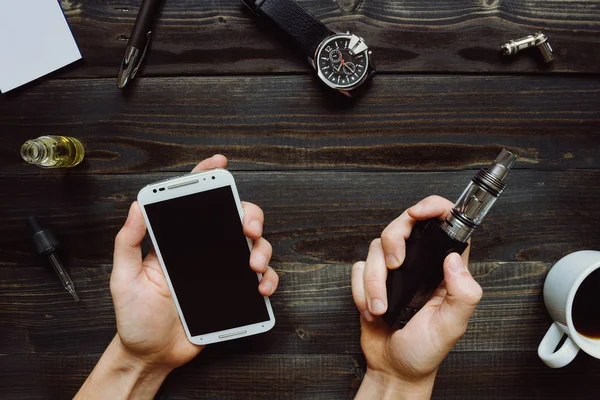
(342, 61)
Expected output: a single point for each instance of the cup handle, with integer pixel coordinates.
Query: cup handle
(562, 356)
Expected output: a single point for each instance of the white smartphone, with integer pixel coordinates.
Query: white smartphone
(195, 223)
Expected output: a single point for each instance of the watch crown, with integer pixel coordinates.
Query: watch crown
(370, 52)
(347, 32)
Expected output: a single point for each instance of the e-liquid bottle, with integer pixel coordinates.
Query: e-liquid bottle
(53, 151)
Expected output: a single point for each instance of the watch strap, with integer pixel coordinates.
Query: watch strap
(295, 20)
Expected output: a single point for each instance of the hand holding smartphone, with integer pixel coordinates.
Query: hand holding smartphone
(195, 224)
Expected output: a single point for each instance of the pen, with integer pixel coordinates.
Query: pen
(138, 42)
(46, 245)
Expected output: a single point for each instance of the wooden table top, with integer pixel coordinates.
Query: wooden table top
(329, 174)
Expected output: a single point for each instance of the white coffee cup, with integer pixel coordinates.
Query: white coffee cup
(560, 288)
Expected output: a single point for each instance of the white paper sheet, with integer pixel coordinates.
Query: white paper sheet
(35, 40)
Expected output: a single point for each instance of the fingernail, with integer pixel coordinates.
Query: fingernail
(417, 207)
(377, 306)
(456, 263)
(256, 226)
(268, 286)
(368, 316)
(391, 261)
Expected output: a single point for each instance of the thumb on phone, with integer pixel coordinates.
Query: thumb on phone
(128, 250)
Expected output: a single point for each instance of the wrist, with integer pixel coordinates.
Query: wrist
(134, 365)
(120, 374)
(380, 385)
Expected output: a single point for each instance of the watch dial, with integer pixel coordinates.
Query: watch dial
(339, 66)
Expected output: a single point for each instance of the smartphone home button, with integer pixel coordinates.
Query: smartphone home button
(232, 334)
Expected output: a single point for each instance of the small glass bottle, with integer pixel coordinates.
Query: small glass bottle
(53, 151)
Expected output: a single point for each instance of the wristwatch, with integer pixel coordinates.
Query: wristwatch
(342, 61)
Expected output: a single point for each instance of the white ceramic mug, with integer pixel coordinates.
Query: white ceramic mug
(560, 287)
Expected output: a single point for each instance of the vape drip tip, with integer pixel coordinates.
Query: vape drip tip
(479, 196)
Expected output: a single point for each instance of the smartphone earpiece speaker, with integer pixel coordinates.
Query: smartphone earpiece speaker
(186, 183)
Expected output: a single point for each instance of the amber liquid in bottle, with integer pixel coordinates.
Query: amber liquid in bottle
(53, 151)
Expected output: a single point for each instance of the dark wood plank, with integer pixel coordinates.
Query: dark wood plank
(206, 377)
(222, 37)
(485, 375)
(315, 218)
(314, 311)
(514, 375)
(313, 306)
(403, 123)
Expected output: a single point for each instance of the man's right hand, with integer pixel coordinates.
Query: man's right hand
(403, 363)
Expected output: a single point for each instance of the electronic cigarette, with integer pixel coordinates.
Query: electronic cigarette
(410, 286)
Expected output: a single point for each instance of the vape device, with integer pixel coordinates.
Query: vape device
(410, 286)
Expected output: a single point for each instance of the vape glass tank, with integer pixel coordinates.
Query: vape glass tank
(478, 197)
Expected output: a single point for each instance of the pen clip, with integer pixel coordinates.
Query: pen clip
(137, 66)
(132, 61)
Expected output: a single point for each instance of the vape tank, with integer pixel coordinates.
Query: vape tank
(410, 286)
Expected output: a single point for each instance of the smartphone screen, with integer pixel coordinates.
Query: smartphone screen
(206, 254)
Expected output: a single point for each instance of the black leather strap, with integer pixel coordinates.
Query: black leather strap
(295, 20)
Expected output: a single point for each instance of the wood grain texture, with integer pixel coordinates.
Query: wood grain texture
(221, 37)
(315, 218)
(313, 351)
(477, 375)
(263, 123)
(235, 377)
(329, 173)
(313, 307)
(514, 375)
